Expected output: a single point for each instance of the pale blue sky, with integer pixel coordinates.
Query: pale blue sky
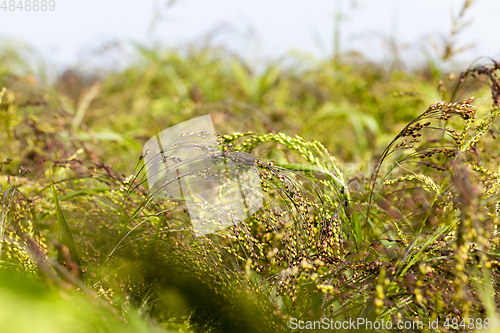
(256, 29)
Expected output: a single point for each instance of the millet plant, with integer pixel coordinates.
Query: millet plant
(418, 242)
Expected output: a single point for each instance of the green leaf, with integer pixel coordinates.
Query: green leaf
(356, 228)
(310, 168)
(65, 237)
(104, 135)
(82, 192)
(430, 240)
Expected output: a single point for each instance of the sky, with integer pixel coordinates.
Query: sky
(256, 29)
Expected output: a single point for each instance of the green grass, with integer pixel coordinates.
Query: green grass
(337, 237)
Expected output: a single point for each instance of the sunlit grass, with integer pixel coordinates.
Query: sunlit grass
(97, 252)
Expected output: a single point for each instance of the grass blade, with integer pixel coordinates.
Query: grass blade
(65, 237)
